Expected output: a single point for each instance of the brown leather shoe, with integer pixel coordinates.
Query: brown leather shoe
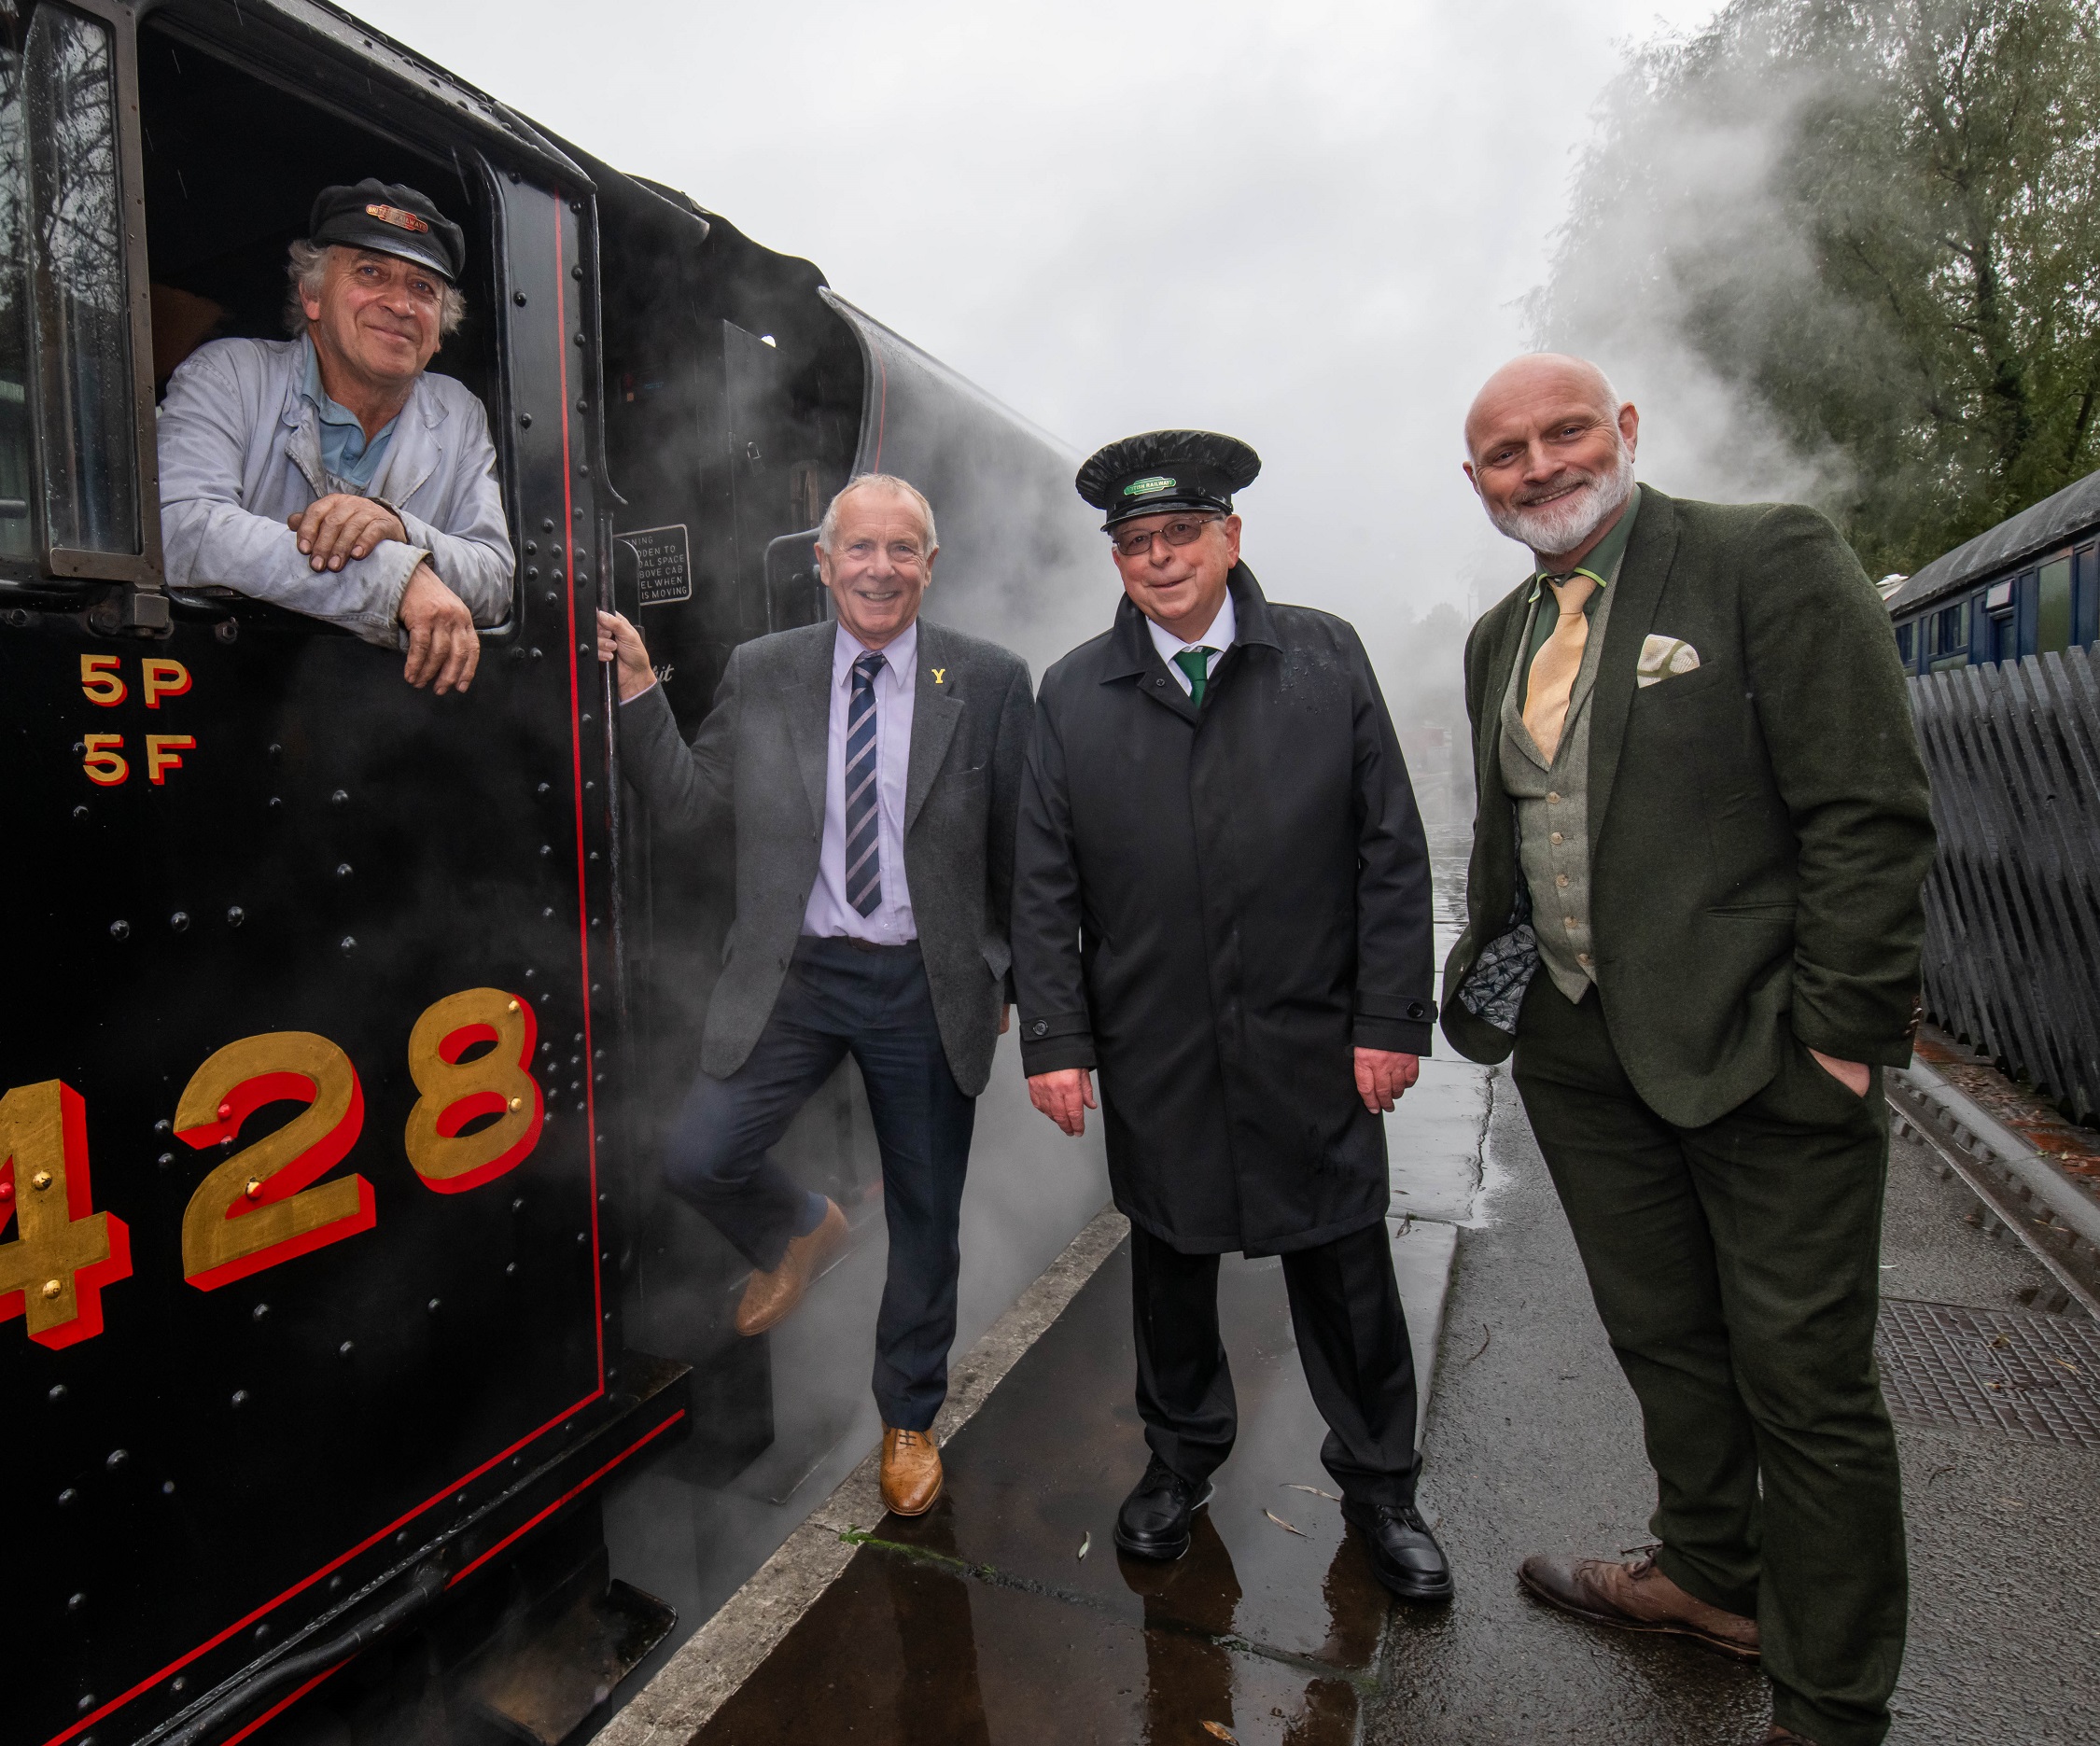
(770, 1297)
(1637, 1597)
(911, 1471)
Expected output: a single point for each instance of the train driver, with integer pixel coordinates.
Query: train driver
(330, 473)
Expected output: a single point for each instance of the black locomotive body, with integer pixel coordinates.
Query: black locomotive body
(339, 1018)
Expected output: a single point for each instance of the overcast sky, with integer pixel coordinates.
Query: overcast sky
(1307, 224)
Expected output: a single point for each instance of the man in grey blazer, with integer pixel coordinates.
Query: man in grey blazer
(871, 769)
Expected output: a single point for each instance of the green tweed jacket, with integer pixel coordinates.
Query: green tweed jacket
(1759, 824)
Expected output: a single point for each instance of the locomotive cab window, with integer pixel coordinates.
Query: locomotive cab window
(232, 165)
(70, 492)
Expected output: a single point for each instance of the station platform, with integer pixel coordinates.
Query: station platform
(1005, 1614)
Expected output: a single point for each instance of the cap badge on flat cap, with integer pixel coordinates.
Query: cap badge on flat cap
(394, 215)
(1166, 469)
(389, 218)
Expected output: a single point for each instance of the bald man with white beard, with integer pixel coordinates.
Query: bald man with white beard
(1694, 918)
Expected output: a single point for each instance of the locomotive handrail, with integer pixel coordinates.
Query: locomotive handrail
(425, 1586)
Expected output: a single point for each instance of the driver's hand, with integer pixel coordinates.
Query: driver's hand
(336, 528)
(443, 645)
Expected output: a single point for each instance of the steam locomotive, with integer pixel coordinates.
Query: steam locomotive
(339, 1019)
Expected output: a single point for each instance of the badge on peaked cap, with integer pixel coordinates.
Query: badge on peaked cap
(1166, 469)
(394, 215)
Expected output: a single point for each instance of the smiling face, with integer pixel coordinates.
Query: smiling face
(881, 564)
(1180, 588)
(1552, 454)
(375, 322)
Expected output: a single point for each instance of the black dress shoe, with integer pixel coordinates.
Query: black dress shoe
(1404, 1552)
(1154, 1521)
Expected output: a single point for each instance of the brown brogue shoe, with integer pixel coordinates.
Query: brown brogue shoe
(1635, 1596)
(770, 1297)
(911, 1471)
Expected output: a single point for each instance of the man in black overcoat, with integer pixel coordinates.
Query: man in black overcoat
(1222, 900)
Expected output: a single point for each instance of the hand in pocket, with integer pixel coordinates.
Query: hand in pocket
(1854, 1076)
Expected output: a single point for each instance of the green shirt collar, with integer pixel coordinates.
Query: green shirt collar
(1602, 560)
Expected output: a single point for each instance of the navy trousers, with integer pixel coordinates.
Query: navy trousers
(873, 1003)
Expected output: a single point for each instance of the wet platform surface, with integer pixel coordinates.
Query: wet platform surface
(981, 1621)
(1535, 1446)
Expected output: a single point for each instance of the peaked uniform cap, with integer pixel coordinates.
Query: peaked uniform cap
(1166, 469)
(391, 219)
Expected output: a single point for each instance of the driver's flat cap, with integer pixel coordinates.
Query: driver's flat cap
(392, 219)
(1166, 469)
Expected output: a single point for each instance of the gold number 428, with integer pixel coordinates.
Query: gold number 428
(264, 1203)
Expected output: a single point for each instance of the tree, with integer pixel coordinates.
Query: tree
(1878, 222)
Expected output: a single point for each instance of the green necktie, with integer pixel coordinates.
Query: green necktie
(1195, 665)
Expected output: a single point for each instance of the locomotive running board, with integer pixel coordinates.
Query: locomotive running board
(514, 1671)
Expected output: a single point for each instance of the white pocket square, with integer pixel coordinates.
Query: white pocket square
(1663, 658)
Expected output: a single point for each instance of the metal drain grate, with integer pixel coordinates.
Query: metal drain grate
(2036, 1378)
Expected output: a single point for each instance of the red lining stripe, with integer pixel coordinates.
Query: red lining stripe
(283, 1704)
(581, 1486)
(335, 1564)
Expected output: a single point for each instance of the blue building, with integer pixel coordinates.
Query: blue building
(2027, 586)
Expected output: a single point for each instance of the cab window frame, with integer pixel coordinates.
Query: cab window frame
(51, 562)
(327, 85)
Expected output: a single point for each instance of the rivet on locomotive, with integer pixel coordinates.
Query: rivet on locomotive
(339, 1016)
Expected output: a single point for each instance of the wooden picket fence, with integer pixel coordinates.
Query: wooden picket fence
(2012, 905)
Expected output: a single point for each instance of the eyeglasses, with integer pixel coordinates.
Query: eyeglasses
(1181, 531)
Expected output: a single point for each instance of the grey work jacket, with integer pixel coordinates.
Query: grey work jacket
(241, 449)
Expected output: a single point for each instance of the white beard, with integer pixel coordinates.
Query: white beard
(1561, 526)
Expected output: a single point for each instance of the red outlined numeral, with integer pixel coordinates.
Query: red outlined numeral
(456, 1092)
(99, 680)
(63, 1252)
(256, 1209)
(106, 765)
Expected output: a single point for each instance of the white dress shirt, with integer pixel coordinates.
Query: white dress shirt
(1218, 638)
(829, 915)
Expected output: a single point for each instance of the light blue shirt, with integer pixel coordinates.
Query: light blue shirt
(829, 915)
(344, 452)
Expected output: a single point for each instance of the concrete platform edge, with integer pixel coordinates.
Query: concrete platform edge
(725, 1652)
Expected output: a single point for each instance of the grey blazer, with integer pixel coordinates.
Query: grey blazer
(758, 765)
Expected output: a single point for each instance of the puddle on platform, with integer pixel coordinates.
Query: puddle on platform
(980, 1621)
(939, 1656)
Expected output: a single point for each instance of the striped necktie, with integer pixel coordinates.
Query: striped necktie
(863, 828)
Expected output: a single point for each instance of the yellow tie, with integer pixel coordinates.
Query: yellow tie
(1555, 665)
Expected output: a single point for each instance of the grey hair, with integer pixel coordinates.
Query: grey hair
(308, 267)
(827, 530)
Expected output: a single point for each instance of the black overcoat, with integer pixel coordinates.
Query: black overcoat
(1214, 907)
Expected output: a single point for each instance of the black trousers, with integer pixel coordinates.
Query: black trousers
(1353, 1341)
(1736, 1269)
